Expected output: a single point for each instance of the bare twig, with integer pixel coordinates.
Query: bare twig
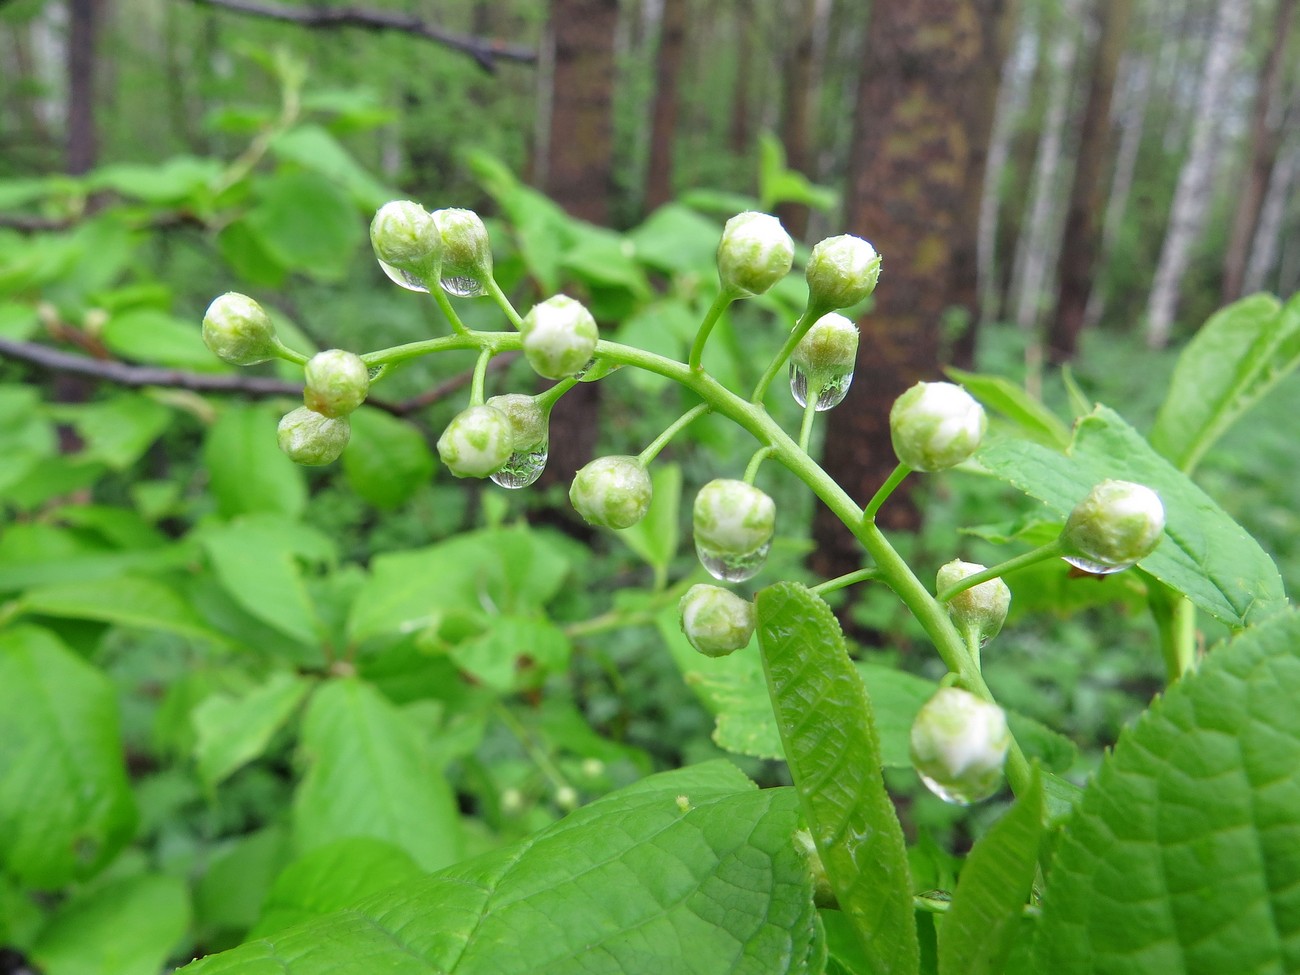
(485, 51)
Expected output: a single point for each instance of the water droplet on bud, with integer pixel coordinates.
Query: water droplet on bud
(957, 796)
(404, 279)
(1096, 568)
(522, 469)
(832, 392)
(463, 287)
(732, 568)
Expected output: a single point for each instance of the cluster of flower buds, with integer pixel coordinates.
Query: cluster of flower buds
(414, 246)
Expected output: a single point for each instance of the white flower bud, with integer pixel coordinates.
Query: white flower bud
(935, 426)
(841, 272)
(559, 337)
(1117, 525)
(476, 442)
(405, 236)
(983, 607)
(612, 492)
(734, 523)
(528, 421)
(822, 364)
(754, 254)
(336, 383)
(466, 252)
(237, 329)
(716, 621)
(959, 746)
(311, 439)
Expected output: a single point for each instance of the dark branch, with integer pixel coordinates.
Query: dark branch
(484, 51)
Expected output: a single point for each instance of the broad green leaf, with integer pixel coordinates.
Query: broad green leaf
(176, 180)
(21, 574)
(654, 537)
(513, 652)
(1236, 357)
(977, 933)
(123, 601)
(117, 431)
(687, 872)
(331, 878)
(228, 897)
(602, 257)
(780, 184)
(26, 435)
(124, 927)
(1205, 555)
(370, 773)
(248, 256)
(232, 731)
(1005, 397)
(65, 804)
(387, 460)
(312, 147)
(154, 337)
(247, 472)
(18, 321)
(1182, 856)
(677, 239)
(306, 223)
(895, 697)
(826, 725)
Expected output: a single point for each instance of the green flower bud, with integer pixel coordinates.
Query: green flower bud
(1117, 525)
(476, 442)
(982, 608)
(466, 254)
(559, 337)
(612, 492)
(311, 439)
(238, 330)
(716, 621)
(841, 272)
(529, 441)
(754, 254)
(822, 364)
(336, 383)
(935, 426)
(959, 746)
(734, 523)
(405, 237)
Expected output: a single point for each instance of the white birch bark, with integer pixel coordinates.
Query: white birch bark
(1266, 246)
(1195, 180)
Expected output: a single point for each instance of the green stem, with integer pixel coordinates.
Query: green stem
(1041, 554)
(440, 296)
(810, 315)
(711, 317)
(841, 582)
(548, 398)
(1175, 617)
(480, 378)
(805, 429)
(288, 354)
(881, 496)
(503, 302)
(539, 757)
(662, 441)
(755, 462)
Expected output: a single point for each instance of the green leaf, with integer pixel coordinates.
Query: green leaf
(247, 472)
(655, 537)
(1005, 397)
(513, 651)
(312, 147)
(602, 257)
(232, 731)
(779, 184)
(688, 872)
(979, 929)
(176, 180)
(1205, 555)
(152, 336)
(1182, 856)
(371, 774)
(116, 431)
(387, 460)
(826, 725)
(331, 878)
(306, 224)
(125, 927)
(1236, 357)
(677, 239)
(121, 600)
(228, 898)
(65, 804)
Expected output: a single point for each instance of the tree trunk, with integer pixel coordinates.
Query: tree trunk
(741, 133)
(663, 125)
(1081, 242)
(1265, 251)
(82, 145)
(1265, 140)
(909, 153)
(796, 102)
(1195, 180)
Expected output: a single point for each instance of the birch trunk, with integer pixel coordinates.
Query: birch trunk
(663, 125)
(1195, 180)
(1266, 247)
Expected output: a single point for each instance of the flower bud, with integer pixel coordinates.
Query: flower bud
(959, 746)
(841, 272)
(935, 426)
(406, 239)
(612, 492)
(559, 337)
(311, 439)
(1117, 525)
(237, 329)
(529, 441)
(716, 621)
(476, 442)
(336, 383)
(754, 254)
(734, 523)
(821, 365)
(466, 253)
(982, 608)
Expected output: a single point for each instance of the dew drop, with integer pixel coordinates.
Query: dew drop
(1096, 568)
(404, 278)
(732, 568)
(463, 287)
(832, 392)
(522, 469)
(958, 796)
